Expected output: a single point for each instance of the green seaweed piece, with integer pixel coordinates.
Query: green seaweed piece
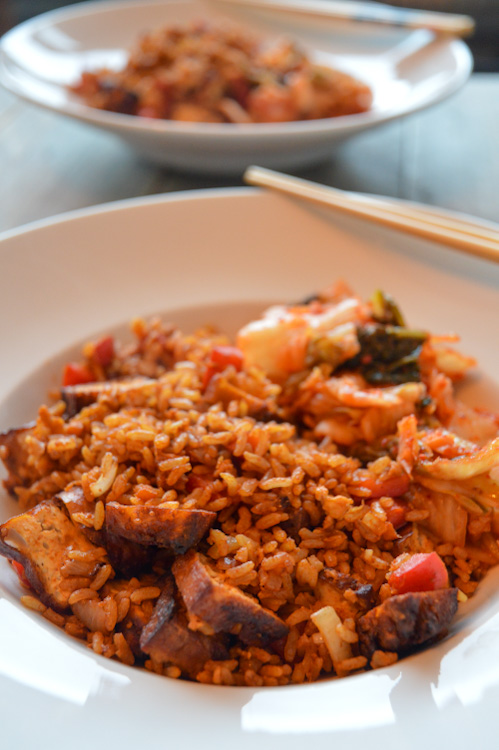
(389, 355)
(385, 309)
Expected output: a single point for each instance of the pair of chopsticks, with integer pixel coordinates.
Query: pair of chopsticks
(461, 234)
(365, 12)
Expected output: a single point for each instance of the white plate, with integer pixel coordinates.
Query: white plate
(406, 70)
(217, 256)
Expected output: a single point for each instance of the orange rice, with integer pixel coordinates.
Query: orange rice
(222, 74)
(315, 477)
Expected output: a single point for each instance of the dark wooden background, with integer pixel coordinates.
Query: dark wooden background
(484, 44)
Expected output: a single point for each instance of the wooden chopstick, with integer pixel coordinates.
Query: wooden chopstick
(461, 234)
(363, 12)
(433, 218)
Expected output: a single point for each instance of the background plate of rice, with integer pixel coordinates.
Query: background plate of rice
(218, 257)
(406, 71)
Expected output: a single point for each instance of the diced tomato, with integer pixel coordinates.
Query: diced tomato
(424, 571)
(395, 515)
(20, 572)
(104, 351)
(390, 487)
(220, 358)
(75, 374)
(223, 356)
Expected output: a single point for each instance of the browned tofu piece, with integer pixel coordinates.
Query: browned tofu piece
(405, 621)
(168, 639)
(75, 501)
(16, 457)
(331, 588)
(76, 397)
(41, 541)
(224, 607)
(175, 530)
(129, 558)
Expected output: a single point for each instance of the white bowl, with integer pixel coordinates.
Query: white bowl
(217, 256)
(406, 70)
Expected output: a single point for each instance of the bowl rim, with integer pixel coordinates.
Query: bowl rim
(11, 76)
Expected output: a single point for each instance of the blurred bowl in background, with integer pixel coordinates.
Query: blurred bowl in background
(407, 71)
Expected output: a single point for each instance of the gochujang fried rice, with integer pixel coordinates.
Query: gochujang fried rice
(307, 501)
(220, 73)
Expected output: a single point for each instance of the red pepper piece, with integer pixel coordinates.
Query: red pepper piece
(104, 351)
(220, 358)
(391, 487)
(395, 515)
(75, 374)
(223, 356)
(20, 572)
(424, 571)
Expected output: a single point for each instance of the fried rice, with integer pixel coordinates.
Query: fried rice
(220, 73)
(310, 501)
